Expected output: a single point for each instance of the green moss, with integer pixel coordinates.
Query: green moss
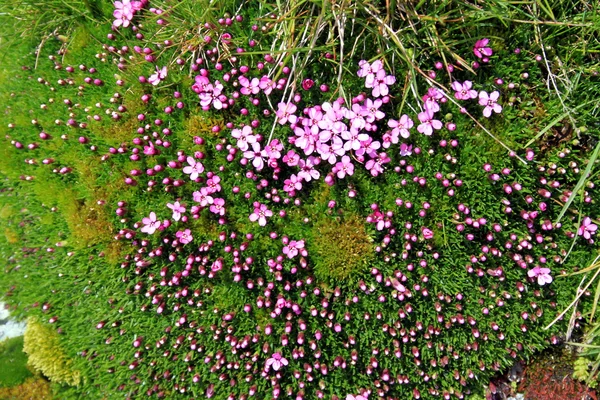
(341, 247)
(46, 355)
(13, 362)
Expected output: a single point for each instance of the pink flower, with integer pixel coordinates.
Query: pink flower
(427, 233)
(405, 149)
(345, 167)
(291, 158)
(158, 76)
(244, 137)
(587, 229)
(489, 102)
(260, 214)
(308, 171)
(178, 209)
(428, 124)
(184, 237)
(480, 48)
(150, 224)
(357, 397)
(542, 274)
(123, 13)
(203, 197)
(464, 91)
(285, 113)
(292, 184)
(397, 285)
(380, 83)
(291, 250)
(401, 126)
(276, 362)
(307, 83)
(218, 206)
(255, 155)
(194, 169)
(249, 87)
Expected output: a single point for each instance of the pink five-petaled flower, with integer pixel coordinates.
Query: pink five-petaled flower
(381, 83)
(542, 274)
(401, 126)
(218, 206)
(150, 224)
(428, 124)
(276, 362)
(184, 237)
(244, 137)
(158, 76)
(357, 397)
(587, 229)
(178, 209)
(123, 13)
(489, 102)
(344, 167)
(291, 250)
(480, 48)
(255, 155)
(464, 91)
(260, 214)
(292, 184)
(285, 113)
(194, 169)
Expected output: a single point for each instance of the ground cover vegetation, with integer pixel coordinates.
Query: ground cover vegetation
(313, 199)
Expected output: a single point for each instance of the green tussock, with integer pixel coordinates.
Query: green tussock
(341, 246)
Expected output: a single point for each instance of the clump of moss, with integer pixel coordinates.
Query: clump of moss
(42, 345)
(33, 388)
(341, 247)
(199, 125)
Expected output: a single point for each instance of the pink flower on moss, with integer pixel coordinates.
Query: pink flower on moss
(489, 102)
(256, 155)
(285, 113)
(158, 76)
(178, 209)
(428, 124)
(481, 50)
(292, 184)
(151, 224)
(542, 274)
(405, 149)
(401, 127)
(218, 206)
(292, 249)
(275, 362)
(184, 237)
(123, 13)
(427, 233)
(344, 167)
(260, 214)
(194, 169)
(587, 229)
(464, 91)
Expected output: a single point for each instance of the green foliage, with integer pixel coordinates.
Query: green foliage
(361, 297)
(341, 246)
(13, 363)
(45, 354)
(36, 388)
